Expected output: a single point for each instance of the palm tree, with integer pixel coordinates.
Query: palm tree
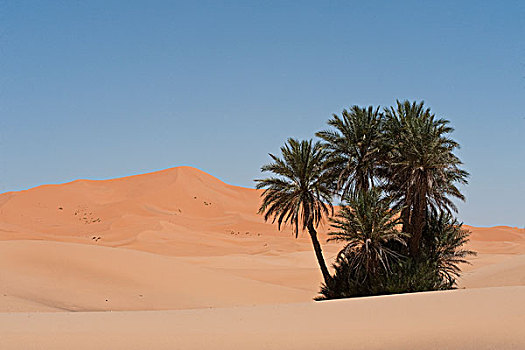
(444, 238)
(298, 193)
(354, 143)
(369, 227)
(421, 170)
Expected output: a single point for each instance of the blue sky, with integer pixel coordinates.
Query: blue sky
(104, 89)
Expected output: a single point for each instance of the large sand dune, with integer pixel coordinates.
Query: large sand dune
(180, 239)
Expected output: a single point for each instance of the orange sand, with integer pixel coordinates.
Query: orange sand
(179, 239)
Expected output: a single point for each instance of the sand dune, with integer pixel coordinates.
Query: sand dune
(477, 319)
(76, 277)
(180, 211)
(180, 239)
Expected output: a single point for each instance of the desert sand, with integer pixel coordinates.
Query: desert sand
(179, 259)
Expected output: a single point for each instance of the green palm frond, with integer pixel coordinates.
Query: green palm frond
(298, 193)
(422, 170)
(354, 142)
(444, 239)
(369, 227)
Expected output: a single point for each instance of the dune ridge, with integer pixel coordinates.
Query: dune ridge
(159, 212)
(192, 224)
(167, 250)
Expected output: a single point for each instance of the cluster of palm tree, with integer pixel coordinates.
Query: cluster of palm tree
(396, 175)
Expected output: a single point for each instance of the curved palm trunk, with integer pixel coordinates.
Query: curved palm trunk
(319, 254)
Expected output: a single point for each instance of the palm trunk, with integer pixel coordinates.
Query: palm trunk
(405, 212)
(418, 222)
(365, 185)
(405, 219)
(362, 181)
(319, 254)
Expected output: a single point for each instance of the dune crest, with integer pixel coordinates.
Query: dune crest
(163, 212)
(175, 239)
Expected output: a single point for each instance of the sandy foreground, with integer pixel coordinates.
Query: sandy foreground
(488, 318)
(178, 259)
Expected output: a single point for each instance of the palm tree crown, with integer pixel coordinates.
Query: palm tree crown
(421, 169)
(445, 238)
(355, 148)
(298, 193)
(369, 226)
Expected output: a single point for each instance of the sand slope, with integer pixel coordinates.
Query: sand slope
(180, 211)
(477, 319)
(181, 240)
(175, 239)
(207, 244)
(74, 277)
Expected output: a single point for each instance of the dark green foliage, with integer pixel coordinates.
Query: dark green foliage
(421, 170)
(397, 174)
(443, 239)
(346, 282)
(298, 193)
(354, 143)
(367, 225)
(436, 268)
(412, 276)
(405, 276)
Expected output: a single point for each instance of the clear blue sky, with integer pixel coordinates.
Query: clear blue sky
(103, 89)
